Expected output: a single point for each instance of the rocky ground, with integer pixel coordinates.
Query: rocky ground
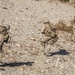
(23, 54)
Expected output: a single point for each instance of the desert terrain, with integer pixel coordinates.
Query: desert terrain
(23, 54)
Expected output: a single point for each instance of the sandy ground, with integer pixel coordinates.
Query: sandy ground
(23, 54)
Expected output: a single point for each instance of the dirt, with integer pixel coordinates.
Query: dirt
(23, 54)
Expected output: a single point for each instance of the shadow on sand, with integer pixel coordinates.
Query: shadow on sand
(14, 64)
(60, 52)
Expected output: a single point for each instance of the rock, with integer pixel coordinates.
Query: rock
(17, 45)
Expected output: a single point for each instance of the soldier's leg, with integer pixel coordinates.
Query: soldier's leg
(47, 50)
(1, 45)
(44, 42)
(6, 38)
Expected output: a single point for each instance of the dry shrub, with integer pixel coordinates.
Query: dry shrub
(64, 0)
(61, 26)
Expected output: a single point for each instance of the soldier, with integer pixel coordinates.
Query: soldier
(51, 36)
(3, 35)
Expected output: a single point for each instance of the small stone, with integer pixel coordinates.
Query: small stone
(16, 18)
(17, 45)
(5, 8)
(47, 61)
(31, 38)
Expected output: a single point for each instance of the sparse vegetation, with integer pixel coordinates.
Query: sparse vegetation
(24, 55)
